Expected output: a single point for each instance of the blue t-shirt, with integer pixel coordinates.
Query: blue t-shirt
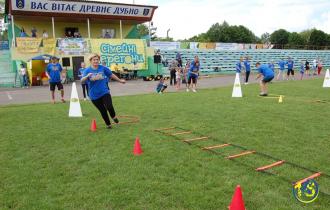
(271, 66)
(194, 68)
(265, 71)
(81, 73)
(54, 71)
(99, 87)
(247, 65)
(238, 67)
(290, 64)
(282, 65)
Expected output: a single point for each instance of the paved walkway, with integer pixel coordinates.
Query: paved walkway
(39, 94)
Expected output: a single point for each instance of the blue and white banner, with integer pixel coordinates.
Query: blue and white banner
(226, 46)
(193, 45)
(165, 45)
(92, 8)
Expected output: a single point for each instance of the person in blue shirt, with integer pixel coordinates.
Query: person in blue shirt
(267, 75)
(247, 67)
(84, 85)
(290, 64)
(272, 66)
(281, 65)
(53, 72)
(97, 77)
(193, 74)
(239, 65)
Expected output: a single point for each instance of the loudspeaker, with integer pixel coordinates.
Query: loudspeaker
(157, 59)
(66, 62)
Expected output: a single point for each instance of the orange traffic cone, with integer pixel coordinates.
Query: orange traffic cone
(137, 147)
(237, 203)
(93, 125)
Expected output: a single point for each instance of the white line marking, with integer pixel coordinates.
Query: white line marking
(9, 96)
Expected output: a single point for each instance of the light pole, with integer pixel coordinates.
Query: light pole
(168, 30)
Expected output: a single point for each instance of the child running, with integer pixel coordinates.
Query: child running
(161, 86)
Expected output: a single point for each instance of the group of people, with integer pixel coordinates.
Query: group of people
(33, 33)
(267, 71)
(179, 74)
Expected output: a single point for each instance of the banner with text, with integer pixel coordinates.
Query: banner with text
(127, 53)
(74, 46)
(226, 46)
(165, 45)
(28, 45)
(49, 46)
(82, 7)
(193, 45)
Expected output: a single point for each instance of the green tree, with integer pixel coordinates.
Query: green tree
(280, 37)
(226, 33)
(318, 38)
(265, 38)
(296, 39)
(143, 30)
(306, 34)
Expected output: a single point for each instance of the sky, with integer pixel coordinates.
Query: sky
(188, 18)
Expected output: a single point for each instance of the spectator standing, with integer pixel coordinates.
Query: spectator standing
(23, 74)
(290, 64)
(281, 65)
(307, 67)
(33, 32)
(193, 74)
(172, 68)
(53, 72)
(84, 85)
(247, 66)
(179, 59)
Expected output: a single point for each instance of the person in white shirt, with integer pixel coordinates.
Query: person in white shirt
(24, 76)
(45, 34)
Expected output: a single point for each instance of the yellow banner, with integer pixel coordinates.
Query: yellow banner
(207, 45)
(28, 45)
(127, 53)
(49, 46)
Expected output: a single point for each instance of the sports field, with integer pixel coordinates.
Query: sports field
(50, 161)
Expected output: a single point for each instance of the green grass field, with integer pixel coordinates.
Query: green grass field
(50, 161)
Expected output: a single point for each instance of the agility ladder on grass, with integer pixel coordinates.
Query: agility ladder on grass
(177, 132)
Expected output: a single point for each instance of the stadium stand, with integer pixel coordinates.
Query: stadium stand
(215, 61)
(7, 76)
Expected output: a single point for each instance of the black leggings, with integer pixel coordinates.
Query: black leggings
(172, 72)
(104, 105)
(247, 75)
(85, 88)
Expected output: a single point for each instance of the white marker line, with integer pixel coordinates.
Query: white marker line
(9, 96)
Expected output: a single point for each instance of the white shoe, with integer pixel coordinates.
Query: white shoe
(194, 90)
(187, 90)
(160, 93)
(85, 99)
(246, 83)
